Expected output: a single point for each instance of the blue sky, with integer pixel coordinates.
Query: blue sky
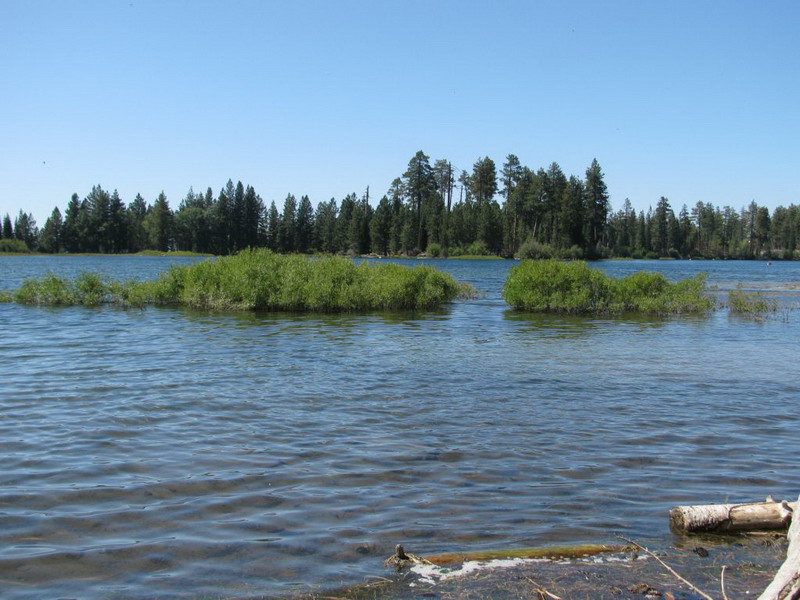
(695, 101)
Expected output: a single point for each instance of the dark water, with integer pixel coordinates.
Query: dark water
(167, 453)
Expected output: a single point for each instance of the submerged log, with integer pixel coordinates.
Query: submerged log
(786, 584)
(751, 516)
(402, 558)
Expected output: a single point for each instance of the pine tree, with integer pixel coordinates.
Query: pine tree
(137, 234)
(8, 228)
(25, 230)
(513, 173)
(117, 224)
(419, 184)
(325, 226)
(596, 204)
(272, 229)
(304, 228)
(253, 214)
(158, 224)
(660, 233)
(572, 215)
(50, 238)
(287, 228)
(380, 228)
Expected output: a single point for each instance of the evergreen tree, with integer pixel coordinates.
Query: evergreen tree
(660, 233)
(272, 229)
(98, 217)
(117, 224)
(347, 210)
(763, 228)
(50, 239)
(490, 226)
(513, 173)
(325, 226)
(419, 186)
(190, 224)
(483, 181)
(137, 234)
(381, 227)
(158, 224)
(236, 216)
(221, 221)
(8, 228)
(253, 214)
(70, 234)
(596, 204)
(287, 229)
(572, 214)
(398, 217)
(305, 226)
(25, 230)
(554, 182)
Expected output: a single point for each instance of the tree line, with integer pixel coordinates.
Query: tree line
(433, 208)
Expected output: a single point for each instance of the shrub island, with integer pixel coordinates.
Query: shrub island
(259, 280)
(575, 288)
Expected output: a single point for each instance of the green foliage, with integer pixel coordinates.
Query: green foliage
(477, 248)
(545, 213)
(260, 280)
(87, 289)
(750, 304)
(573, 287)
(13, 245)
(532, 249)
(435, 250)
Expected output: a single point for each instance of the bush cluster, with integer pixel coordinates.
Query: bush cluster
(260, 280)
(14, 245)
(573, 287)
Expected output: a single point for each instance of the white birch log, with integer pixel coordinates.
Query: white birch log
(751, 516)
(786, 584)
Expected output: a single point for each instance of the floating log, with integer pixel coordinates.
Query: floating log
(751, 516)
(401, 558)
(786, 584)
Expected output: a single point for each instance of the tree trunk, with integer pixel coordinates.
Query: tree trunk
(786, 584)
(732, 517)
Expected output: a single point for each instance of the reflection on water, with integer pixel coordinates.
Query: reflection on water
(165, 452)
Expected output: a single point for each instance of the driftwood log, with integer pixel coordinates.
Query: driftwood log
(786, 584)
(752, 516)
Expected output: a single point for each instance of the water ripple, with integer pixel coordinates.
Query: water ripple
(171, 453)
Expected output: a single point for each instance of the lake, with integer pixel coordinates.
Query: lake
(166, 452)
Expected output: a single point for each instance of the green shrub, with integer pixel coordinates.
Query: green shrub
(50, 290)
(477, 248)
(14, 245)
(531, 249)
(261, 280)
(573, 287)
(435, 250)
(88, 289)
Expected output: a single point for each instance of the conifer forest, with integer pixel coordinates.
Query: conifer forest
(432, 208)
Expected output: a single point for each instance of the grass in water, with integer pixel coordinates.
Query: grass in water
(260, 280)
(575, 288)
(752, 305)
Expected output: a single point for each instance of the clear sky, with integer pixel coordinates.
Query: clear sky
(693, 100)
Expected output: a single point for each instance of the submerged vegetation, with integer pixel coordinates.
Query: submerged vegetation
(752, 305)
(259, 280)
(574, 287)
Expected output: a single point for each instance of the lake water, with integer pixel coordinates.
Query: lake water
(169, 453)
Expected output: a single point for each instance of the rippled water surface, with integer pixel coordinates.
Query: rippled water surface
(163, 452)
